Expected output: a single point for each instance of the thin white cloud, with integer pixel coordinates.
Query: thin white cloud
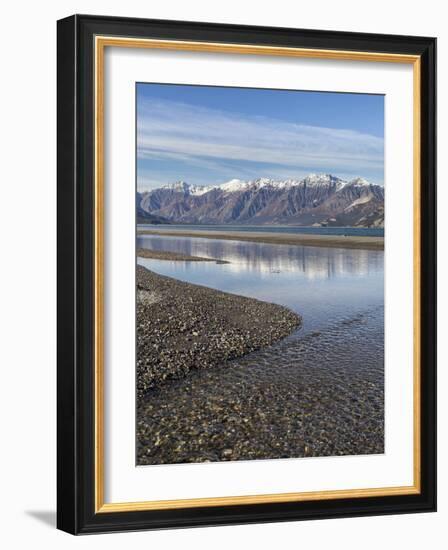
(147, 182)
(175, 131)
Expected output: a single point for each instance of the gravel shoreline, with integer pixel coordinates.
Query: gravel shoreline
(181, 327)
(174, 256)
(222, 378)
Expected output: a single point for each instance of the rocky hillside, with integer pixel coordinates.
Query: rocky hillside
(147, 217)
(315, 200)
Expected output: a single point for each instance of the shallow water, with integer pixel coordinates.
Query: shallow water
(318, 392)
(321, 284)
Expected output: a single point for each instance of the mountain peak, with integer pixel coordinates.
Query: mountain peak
(233, 185)
(311, 200)
(188, 189)
(361, 182)
(236, 185)
(322, 179)
(177, 186)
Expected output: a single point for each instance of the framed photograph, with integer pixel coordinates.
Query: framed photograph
(246, 274)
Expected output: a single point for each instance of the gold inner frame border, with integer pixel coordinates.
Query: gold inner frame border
(101, 42)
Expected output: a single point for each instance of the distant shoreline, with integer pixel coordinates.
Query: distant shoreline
(333, 241)
(174, 256)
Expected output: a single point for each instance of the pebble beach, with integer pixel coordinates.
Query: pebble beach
(223, 377)
(181, 327)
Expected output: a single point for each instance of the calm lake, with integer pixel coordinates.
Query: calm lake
(354, 231)
(324, 285)
(318, 392)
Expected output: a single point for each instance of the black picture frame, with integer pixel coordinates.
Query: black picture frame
(76, 261)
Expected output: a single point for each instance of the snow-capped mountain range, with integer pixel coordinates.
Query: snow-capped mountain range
(239, 185)
(319, 199)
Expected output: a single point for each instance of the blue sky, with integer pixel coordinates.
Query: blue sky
(209, 135)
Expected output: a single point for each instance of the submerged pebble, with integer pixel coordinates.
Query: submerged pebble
(271, 396)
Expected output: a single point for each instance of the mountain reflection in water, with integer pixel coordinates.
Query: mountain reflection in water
(319, 283)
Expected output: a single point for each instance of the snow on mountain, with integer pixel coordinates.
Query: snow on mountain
(314, 199)
(233, 185)
(236, 185)
(200, 189)
(178, 186)
(184, 187)
(360, 182)
(313, 180)
(316, 180)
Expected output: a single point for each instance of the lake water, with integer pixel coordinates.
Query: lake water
(321, 284)
(320, 390)
(355, 231)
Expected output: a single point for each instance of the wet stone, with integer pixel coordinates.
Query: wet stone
(277, 393)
